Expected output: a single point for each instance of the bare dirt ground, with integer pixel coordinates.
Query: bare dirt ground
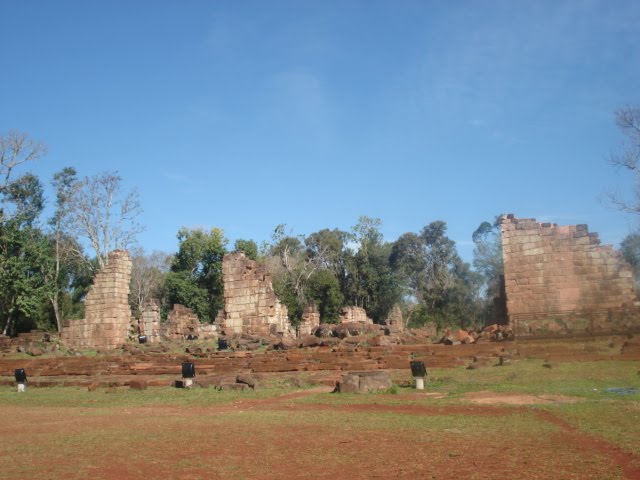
(490, 398)
(282, 437)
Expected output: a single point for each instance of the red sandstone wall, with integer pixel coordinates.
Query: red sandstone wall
(107, 314)
(559, 279)
(250, 304)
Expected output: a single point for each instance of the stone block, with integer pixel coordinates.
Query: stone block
(364, 382)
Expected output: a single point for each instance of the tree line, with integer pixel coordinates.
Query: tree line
(45, 268)
(331, 268)
(47, 264)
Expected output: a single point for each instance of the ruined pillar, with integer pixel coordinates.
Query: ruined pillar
(150, 322)
(107, 315)
(354, 314)
(250, 304)
(310, 320)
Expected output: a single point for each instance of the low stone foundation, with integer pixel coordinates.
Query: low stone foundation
(181, 324)
(354, 314)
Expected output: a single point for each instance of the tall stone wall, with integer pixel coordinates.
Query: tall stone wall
(107, 319)
(559, 279)
(250, 304)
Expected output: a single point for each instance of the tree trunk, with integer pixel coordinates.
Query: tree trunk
(6, 327)
(56, 311)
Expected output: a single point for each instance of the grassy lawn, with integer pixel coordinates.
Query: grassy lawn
(204, 433)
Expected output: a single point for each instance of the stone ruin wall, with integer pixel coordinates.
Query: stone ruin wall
(560, 280)
(354, 314)
(107, 321)
(250, 304)
(310, 320)
(149, 323)
(181, 322)
(395, 318)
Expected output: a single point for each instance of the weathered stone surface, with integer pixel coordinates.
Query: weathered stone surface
(181, 323)
(248, 380)
(138, 384)
(456, 337)
(149, 323)
(250, 304)
(310, 320)
(322, 331)
(27, 342)
(395, 318)
(107, 321)
(364, 382)
(234, 386)
(559, 280)
(309, 341)
(354, 314)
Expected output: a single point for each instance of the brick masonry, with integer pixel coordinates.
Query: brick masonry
(560, 280)
(107, 321)
(250, 304)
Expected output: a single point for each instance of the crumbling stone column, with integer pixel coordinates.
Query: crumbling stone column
(181, 322)
(107, 321)
(354, 314)
(150, 322)
(310, 320)
(250, 304)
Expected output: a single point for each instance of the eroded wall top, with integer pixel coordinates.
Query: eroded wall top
(559, 270)
(250, 304)
(107, 319)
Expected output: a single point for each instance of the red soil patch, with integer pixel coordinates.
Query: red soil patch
(226, 442)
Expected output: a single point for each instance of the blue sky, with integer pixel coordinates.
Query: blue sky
(244, 115)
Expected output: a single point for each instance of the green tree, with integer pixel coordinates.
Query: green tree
(248, 247)
(291, 269)
(630, 249)
(25, 254)
(195, 279)
(323, 289)
(435, 277)
(330, 250)
(371, 281)
(25, 263)
(64, 247)
(487, 255)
